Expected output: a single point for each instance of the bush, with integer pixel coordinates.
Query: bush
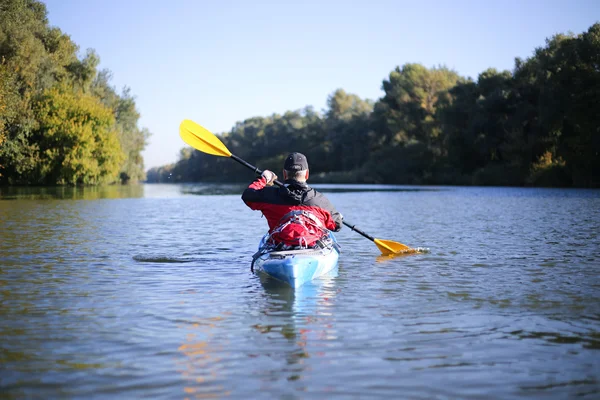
(549, 172)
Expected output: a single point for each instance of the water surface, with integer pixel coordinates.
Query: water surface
(146, 291)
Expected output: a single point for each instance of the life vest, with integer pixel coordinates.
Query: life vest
(298, 228)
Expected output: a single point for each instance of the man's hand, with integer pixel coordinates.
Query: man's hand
(269, 176)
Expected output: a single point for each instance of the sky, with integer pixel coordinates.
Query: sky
(220, 62)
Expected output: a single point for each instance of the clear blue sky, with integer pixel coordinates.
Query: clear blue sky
(219, 62)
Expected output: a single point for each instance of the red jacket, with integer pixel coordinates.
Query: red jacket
(275, 202)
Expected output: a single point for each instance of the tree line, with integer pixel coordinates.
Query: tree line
(538, 125)
(61, 121)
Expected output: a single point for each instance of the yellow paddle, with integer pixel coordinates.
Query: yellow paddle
(205, 141)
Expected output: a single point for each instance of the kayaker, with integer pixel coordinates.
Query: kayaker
(276, 202)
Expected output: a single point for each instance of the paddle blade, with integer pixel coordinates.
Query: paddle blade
(202, 139)
(389, 247)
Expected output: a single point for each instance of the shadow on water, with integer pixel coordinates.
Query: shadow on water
(70, 192)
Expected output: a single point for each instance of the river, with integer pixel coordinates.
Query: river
(146, 291)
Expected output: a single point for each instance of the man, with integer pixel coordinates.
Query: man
(294, 195)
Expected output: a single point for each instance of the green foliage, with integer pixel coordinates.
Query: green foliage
(77, 140)
(9, 99)
(60, 121)
(549, 172)
(571, 99)
(408, 109)
(496, 174)
(476, 123)
(406, 164)
(347, 126)
(162, 174)
(409, 131)
(133, 140)
(499, 128)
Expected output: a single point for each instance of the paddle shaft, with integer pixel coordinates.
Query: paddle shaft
(259, 172)
(355, 229)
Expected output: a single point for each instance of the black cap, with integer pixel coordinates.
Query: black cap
(295, 162)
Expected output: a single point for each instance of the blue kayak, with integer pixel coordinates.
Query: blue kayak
(297, 266)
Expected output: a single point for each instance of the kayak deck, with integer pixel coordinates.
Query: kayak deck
(296, 267)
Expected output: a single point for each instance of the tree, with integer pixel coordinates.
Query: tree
(77, 140)
(536, 125)
(407, 116)
(39, 66)
(348, 124)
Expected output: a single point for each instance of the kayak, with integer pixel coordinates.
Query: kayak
(297, 266)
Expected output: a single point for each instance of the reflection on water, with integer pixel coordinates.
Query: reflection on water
(303, 299)
(414, 252)
(71, 193)
(303, 316)
(200, 367)
(168, 190)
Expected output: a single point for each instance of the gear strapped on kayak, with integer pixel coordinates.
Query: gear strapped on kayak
(296, 230)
